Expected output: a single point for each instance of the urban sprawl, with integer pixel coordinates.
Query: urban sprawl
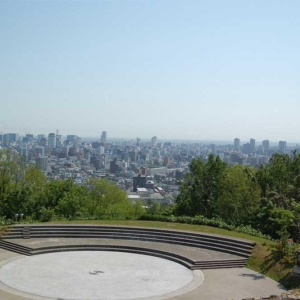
(145, 170)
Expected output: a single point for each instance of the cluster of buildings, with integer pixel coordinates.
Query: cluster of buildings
(255, 155)
(146, 170)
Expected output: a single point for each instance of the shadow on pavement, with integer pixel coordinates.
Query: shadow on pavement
(254, 276)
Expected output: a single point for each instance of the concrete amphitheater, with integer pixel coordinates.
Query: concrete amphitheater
(72, 262)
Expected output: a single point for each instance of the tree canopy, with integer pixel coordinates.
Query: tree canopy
(25, 190)
(267, 198)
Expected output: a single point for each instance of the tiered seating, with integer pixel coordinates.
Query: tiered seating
(15, 248)
(240, 248)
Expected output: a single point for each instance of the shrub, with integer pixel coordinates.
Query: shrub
(202, 220)
(46, 214)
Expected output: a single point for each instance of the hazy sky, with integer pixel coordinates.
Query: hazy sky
(202, 70)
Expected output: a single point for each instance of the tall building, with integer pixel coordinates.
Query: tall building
(139, 181)
(43, 142)
(59, 140)
(114, 166)
(39, 151)
(133, 155)
(266, 145)
(77, 142)
(282, 146)
(101, 150)
(252, 144)
(5, 141)
(154, 141)
(9, 138)
(39, 137)
(104, 137)
(237, 143)
(71, 137)
(51, 140)
(41, 163)
(29, 137)
(12, 137)
(213, 148)
(246, 148)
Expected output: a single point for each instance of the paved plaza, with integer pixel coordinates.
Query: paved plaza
(100, 275)
(96, 275)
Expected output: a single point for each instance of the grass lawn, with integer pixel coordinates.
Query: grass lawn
(265, 257)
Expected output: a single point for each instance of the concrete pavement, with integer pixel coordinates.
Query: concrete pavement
(221, 284)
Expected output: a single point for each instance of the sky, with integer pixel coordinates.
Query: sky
(193, 70)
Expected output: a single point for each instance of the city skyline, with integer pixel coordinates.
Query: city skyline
(237, 142)
(60, 157)
(195, 71)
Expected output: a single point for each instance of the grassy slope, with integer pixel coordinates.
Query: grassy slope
(265, 257)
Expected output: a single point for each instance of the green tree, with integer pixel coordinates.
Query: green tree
(137, 209)
(240, 197)
(19, 184)
(201, 188)
(70, 205)
(11, 172)
(275, 219)
(106, 198)
(18, 201)
(54, 191)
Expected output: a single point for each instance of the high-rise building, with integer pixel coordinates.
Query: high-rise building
(237, 143)
(39, 151)
(12, 137)
(5, 141)
(133, 155)
(154, 141)
(104, 137)
(282, 146)
(41, 163)
(9, 138)
(266, 145)
(246, 148)
(77, 142)
(39, 137)
(71, 137)
(114, 166)
(59, 140)
(252, 144)
(43, 142)
(213, 148)
(101, 150)
(51, 140)
(139, 181)
(29, 137)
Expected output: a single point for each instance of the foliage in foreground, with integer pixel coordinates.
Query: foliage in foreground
(267, 199)
(25, 190)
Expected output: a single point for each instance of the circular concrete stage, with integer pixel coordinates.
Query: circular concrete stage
(97, 275)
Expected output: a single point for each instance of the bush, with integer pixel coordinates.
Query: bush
(201, 220)
(46, 215)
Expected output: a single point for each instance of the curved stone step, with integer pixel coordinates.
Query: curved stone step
(237, 247)
(210, 246)
(100, 233)
(15, 248)
(91, 228)
(141, 251)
